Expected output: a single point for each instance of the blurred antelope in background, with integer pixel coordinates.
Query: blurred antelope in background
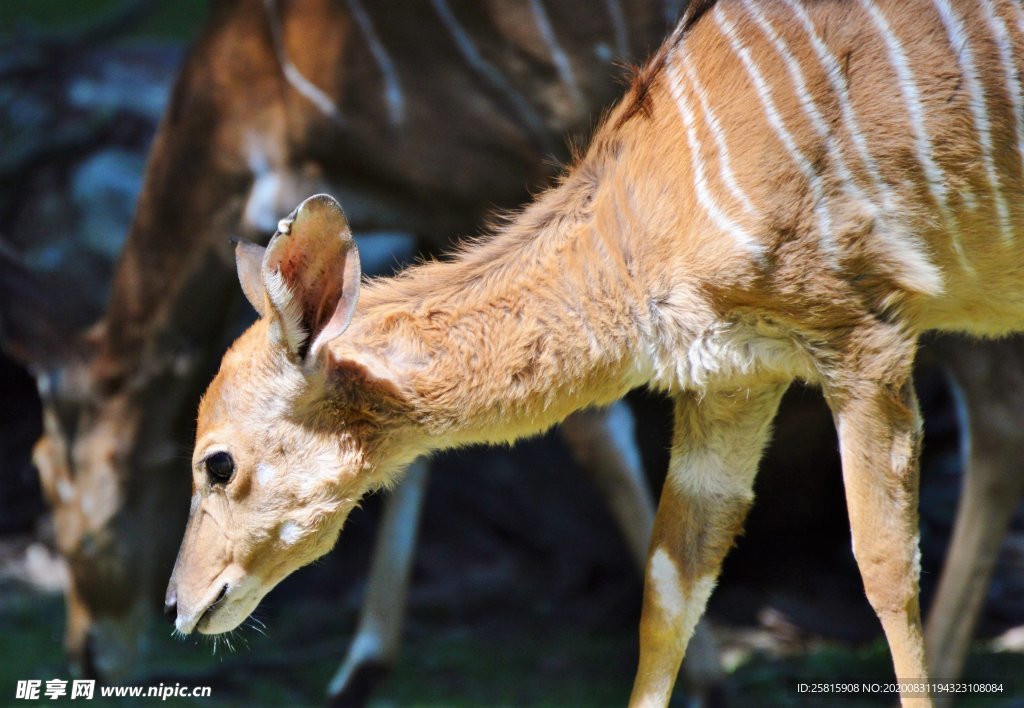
(425, 116)
(789, 190)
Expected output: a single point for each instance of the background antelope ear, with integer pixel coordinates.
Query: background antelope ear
(249, 261)
(311, 276)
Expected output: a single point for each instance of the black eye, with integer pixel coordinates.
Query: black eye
(219, 466)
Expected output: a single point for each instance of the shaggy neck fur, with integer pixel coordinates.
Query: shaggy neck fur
(514, 334)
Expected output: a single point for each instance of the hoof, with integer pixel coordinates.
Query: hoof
(83, 662)
(359, 687)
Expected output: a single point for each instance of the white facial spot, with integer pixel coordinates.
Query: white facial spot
(667, 587)
(289, 533)
(65, 490)
(194, 504)
(265, 473)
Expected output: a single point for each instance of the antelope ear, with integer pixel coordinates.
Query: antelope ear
(248, 261)
(311, 276)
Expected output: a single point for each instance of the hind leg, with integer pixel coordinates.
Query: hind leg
(872, 399)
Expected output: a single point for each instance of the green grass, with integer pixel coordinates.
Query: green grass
(449, 660)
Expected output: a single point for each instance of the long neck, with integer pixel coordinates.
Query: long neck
(513, 335)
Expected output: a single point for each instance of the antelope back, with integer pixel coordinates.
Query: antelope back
(870, 150)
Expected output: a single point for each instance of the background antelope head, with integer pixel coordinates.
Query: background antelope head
(289, 437)
(119, 397)
(87, 462)
(98, 474)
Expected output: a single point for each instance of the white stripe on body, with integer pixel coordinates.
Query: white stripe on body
(834, 73)
(810, 108)
(1001, 34)
(961, 46)
(724, 162)
(764, 93)
(934, 177)
(923, 275)
(704, 197)
(1013, 74)
(392, 87)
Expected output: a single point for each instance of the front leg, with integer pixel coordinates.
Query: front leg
(716, 446)
(879, 436)
(375, 647)
(603, 443)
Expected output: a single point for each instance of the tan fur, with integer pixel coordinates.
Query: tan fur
(620, 277)
(238, 147)
(616, 279)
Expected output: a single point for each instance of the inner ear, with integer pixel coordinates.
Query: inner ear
(311, 276)
(339, 304)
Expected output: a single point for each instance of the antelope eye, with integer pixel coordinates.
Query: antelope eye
(219, 466)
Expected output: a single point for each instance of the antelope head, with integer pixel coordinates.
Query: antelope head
(85, 459)
(92, 445)
(291, 432)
